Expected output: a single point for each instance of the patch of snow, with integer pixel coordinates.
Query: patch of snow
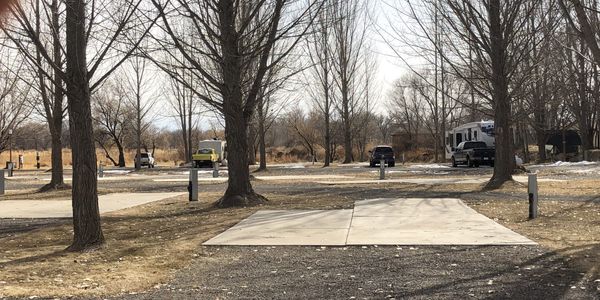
(429, 166)
(117, 171)
(569, 164)
(294, 167)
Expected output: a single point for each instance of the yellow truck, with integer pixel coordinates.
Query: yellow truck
(205, 156)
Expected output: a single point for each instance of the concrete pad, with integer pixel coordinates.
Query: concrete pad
(426, 222)
(296, 227)
(373, 222)
(63, 209)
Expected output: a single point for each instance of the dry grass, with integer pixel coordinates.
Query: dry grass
(163, 157)
(145, 246)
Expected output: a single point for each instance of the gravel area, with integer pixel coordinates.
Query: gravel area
(375, 273)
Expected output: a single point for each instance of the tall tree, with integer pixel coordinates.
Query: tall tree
(227, 46)
(319, 44)
(349, 36)
(493, 32)
(104, 26)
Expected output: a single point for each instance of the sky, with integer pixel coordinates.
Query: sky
(389, 66)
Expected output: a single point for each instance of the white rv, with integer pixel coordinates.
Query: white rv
(219, 146)
(475, 131)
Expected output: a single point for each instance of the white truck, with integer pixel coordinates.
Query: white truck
(219, 147)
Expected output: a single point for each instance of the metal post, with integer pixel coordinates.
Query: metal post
(532, 190)
(2, 186)
(10, 133)
(215, 169)
(193, 185)
(37, 159)
(11, 168)
(101, 171)
(382, 169)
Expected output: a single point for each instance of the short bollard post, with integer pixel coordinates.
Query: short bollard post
(532, 191)
(101, 171)
(215, 169)
(382, 169)
(11, 168)
(193, 185)
(2, 187)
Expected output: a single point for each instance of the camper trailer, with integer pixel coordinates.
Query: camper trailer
(219, 148)
(475, 131)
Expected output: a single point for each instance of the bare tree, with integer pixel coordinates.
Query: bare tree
(227, 46)
(141, 99)
(494, 33)
(349, 36)
(105, 27)
(14, 96)
(112, 117)
(319, 44)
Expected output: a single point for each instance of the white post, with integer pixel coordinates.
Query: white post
(532, 191)
(382, 169)
(101, 170)
(193, 186)
(2, 187)
(215, 169)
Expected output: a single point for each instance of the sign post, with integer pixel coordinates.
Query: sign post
(193, 185)
(532, 191)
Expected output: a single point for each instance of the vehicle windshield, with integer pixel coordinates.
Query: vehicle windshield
(204, 151)
(472, 145)
(488, 129)
(384, 150)
(144, 155)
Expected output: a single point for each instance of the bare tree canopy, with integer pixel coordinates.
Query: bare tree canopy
(227, 46)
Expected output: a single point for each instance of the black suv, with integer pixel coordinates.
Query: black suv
(382, 152)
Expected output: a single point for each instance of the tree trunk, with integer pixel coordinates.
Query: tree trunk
(327, 140)
(504, 161)
(239, 190)
(54, 113)
(121, 154)
(87, 231)
(261, 136)
(57, 180)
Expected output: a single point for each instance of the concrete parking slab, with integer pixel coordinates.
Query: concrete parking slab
(15, 209)
(373, 222)
(298, 227)
(426, 222)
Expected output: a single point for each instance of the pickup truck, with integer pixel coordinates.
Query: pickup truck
(473, 154)
(205, 156)
(382, 152)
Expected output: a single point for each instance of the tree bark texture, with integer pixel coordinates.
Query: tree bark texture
(86, 216)
(504, 161)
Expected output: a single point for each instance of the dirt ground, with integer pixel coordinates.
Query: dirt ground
(147, 245)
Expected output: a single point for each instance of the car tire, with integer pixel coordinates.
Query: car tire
(392, 164)
(454, 165)
(371, 164)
